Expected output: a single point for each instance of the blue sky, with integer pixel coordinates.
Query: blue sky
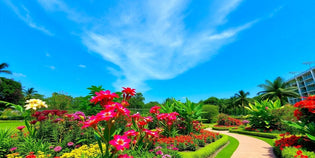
(175, 48)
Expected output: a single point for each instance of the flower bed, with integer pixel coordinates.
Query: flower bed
(259, 134)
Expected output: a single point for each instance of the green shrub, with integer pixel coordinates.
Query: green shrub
(9, 114)
(263, 116)
(259, 134)
(207, 150)
(226, 120)
(222, 128)
(210, 113)
(289, 152)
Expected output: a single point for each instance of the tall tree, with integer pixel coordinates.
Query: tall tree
(10, 91)
(136, 101)
(241, 99)
(2, 67)
(29, 93)
(278, 89)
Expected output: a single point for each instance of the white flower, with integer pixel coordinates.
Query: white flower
(35, 104)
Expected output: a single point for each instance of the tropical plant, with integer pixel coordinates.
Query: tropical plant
(2, 67)
(241, 99)
(28, 93)
(210, 113)
(262, 114)
(278, 89)
(10, 91)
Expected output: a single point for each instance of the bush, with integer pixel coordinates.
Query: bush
(210, 113)
(208, 150)
(259, 134)
(223, 128)
(225, 120)
(289, 152)
(9, 114)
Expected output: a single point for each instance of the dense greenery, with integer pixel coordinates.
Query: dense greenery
(210, 113)
(10, 91)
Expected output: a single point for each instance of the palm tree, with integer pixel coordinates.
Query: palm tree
(29, 93)
(241, 99)
(278, 89)
(3, 66)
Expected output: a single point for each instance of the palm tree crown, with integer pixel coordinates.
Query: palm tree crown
(241, 98)
(29, 93)
(278, 89)
(3, 66)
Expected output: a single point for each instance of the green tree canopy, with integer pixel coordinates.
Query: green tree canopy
(278, 89)
(10, 91)
(136, 101)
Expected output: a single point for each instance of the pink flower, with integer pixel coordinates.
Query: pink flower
(155, 110)
(91, 122)
(70, 144)
(77, 146)
(124, 156)
(57, 148)
(159, 152)
(12, 149)
(136, 116)
(122, 110)
(120, 142)
(106, 115)
(131, 133)
(20, 128)
(148, 119)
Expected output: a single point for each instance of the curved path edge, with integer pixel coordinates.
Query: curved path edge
(249, 147)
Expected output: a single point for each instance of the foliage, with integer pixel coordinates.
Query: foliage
(151, 104)
(289, 152)
(207, 150)
(5, 141)
(241, 99)
(86, 106)
(59, 101)
(10, 91)
(29, 93)
(223, 128)
(225, 120)
(278, 89)
(210, 113)
(136, 101)
(10, 114)
(262, 114)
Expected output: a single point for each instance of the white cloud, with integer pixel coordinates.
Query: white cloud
(155, 44)
(52, 67)
(24, 14)
(18, 74)
(150, 40)
(82, 66)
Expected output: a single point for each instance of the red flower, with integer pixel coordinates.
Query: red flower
(129, 91)
(91, 122)
(105, 115)
(155, 110)
(103, 97)
(124, 156)
(20, 128)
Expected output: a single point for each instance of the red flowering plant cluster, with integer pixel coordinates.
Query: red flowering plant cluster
(225, 120)
(189, 142)
(104, 122)
(305, 113)
(287, 140)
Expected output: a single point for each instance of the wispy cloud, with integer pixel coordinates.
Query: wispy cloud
(52, 67)
(47, 55)
(149, 40)
(154, 44)
(18, 74)
(24, 14)
(82, 66)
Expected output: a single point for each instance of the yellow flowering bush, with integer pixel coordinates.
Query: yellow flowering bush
(14, 155)
(91, 150)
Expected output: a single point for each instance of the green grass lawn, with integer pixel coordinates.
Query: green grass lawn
(209, 125)
(229, 149)
(12, 124)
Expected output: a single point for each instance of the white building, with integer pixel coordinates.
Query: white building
(305, 82)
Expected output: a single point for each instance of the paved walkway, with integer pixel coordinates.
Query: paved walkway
(249, 147)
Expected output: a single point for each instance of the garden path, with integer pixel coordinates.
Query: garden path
(249, 147)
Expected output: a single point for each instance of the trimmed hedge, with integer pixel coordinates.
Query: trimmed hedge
(259, 134)
(290, 152)
(207, 150)
(223, 128)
